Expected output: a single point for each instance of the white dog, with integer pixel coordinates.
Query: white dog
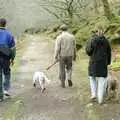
(41, 78)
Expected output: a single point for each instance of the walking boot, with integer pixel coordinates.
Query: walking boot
(93, 99)
(70, 83)
(62, 84)
(6, 93)
(1, 98)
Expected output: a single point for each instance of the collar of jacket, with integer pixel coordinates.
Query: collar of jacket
(64, 32)
(2, 28)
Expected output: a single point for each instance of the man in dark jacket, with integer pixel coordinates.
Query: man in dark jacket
(7, 55)
(99, 51)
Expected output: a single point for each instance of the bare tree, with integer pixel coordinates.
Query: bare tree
(60, 9)
(64, 10)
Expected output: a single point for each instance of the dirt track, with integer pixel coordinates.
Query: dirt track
(55, 103)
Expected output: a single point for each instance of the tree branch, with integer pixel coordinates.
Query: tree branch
(51, 12)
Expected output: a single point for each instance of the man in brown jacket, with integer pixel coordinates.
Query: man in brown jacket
(65, 52)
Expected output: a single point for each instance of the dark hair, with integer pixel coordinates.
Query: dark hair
(3, 22)
(64, 27)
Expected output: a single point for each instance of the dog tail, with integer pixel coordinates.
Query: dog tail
(47, 80)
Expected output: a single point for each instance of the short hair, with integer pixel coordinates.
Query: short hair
(99, 27)
(3, 22)
(64, 27)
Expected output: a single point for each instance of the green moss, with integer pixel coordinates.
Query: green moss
(115, 65)
(82, 29)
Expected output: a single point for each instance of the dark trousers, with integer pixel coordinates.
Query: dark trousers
(65, 68)
(4, 70)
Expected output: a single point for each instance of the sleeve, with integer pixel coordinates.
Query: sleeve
(109, 52)
(13, 54)
(89, 47)
(11, 45)
(57, 47)
(74, 43)
(11, 42)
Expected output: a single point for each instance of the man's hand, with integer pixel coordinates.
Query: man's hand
(11, 62)
(74, 58)
(56, 59)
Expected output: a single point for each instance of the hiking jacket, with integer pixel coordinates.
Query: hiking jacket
(6, 39)
(65, 45)
(99, 51)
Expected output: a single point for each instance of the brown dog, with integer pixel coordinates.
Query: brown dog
(112, 87)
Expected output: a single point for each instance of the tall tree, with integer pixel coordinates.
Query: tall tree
(60, 9)
(107, 10)
(95, 6)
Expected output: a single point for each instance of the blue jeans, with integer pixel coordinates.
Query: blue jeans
(97, 88)
(6, 82)
(1, 85)
(4, 73)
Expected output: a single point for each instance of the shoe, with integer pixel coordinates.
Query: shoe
(70, 83)
(6, 93)
(1, 99)
(63, 84)
(93, 99)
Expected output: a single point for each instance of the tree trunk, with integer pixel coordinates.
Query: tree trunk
(96, 6)
(70, 10)
(107, 10)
